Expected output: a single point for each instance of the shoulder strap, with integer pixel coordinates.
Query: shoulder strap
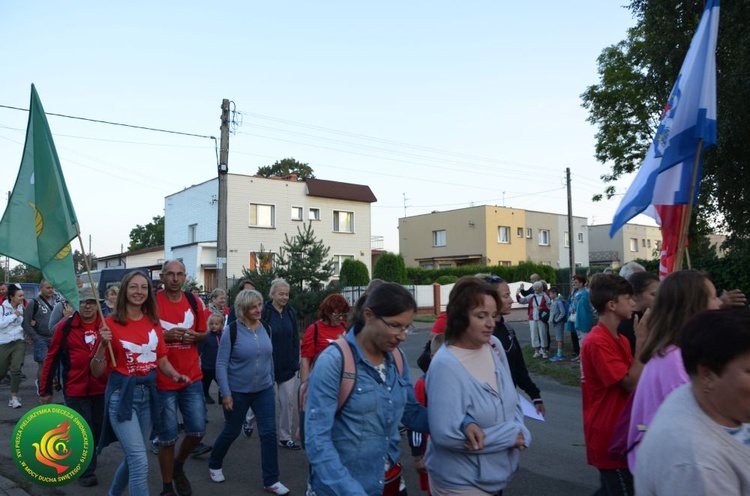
(399, 361)
(65, 333)
(348, 372)
(36, 307)
(193, 304)
(232, 336)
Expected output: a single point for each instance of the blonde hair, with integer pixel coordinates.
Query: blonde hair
(214, 316)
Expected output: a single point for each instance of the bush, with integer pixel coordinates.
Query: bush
(353, 273)
(391, 268)
(442, 280)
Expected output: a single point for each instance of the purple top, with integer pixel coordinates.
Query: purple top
(660, 377)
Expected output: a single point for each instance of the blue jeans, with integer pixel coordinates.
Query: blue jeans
(263, 404)
(91, 408)
(192, 404)
(133, 436)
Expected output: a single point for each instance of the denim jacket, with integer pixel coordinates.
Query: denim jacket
(348, 451)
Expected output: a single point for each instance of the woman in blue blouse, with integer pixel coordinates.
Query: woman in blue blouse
(244, 371)
(350, 451)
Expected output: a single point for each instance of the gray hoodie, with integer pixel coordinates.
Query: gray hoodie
(38, 310)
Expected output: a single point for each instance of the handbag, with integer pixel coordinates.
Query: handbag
(392, 484)
(543, 312)
(572, 318)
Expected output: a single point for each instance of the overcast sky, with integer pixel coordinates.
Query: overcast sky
(435, 105)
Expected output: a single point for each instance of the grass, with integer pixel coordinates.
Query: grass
(425, 318)
(567, 372)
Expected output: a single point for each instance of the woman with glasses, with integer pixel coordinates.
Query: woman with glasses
(351, 451)
(331, 324)
(476, 424)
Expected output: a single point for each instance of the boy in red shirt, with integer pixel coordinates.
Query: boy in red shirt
(608, 375)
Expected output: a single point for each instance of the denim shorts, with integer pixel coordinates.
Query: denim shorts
(192, 405)
(41, 346)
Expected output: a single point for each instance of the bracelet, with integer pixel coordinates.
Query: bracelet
(97, 359)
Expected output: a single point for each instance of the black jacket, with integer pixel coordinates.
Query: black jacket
(284, 330)
(507, 336)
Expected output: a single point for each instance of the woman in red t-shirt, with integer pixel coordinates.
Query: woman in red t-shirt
(332, 313)
(131, 401)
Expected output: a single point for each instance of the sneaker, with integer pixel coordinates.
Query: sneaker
(88, 480)
(247, 429)
(14, 402)
(201, 449)
(576, 358)
(277, 488)
(182, 484)
(537, 354)
(154, 446)
(38, 391)
(544, 354)
(557, 358)
(216, 474)
(209, 400)
(289, 444)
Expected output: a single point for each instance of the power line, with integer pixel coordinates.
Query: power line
(133, 126)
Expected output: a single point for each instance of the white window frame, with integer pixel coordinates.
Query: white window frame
(634, 244)
(298, 213)
(262, 226)
(566, 240)
(519, 232)
(313, 213)
(338, 261)
(503, 234)
(193, 233)
(437, 236)
(580, 237)
(254, 256)
(336, 224)
(543, 233)
(529, 233)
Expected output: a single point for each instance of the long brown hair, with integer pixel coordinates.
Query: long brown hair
(120, 315)
(680, 296)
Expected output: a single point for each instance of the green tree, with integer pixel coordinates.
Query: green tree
(25, 273)
(285, 167)
(390, 267)
(78, 262)
(147, 236)
(353, 273)
(636, 77)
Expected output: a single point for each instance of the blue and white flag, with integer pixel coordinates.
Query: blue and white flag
(689, 116)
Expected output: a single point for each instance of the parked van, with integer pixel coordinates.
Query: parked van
(105, 278)
(30, 289)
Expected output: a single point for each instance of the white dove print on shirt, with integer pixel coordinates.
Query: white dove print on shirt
(187, 322)
(146, 352)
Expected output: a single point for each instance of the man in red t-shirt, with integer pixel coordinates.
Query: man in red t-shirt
(608, 376)
(183, 319)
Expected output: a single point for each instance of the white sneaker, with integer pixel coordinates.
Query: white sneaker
(537, 354)
(14, 402)
(216, 475)
(277, 488)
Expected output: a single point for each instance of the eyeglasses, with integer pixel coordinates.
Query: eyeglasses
(338, 315)
(89, 302)
(397, 328)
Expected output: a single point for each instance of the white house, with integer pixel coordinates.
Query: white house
(260, 211)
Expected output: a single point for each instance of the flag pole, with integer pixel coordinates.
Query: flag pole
(687, 212)
(98, 304)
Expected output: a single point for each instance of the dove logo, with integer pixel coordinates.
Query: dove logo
(52, 445)
(141, 353)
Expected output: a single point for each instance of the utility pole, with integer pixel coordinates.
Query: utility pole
(221, 238)
(571, 245)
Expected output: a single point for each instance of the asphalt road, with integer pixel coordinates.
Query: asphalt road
(555, 464)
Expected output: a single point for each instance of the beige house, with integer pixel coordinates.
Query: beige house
(488, 235)
(153, 258)
(260, 212)
(629, 243)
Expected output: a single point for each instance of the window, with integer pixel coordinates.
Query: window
(529, 233)
(643, 243)
(297, 213)
(503, 234)
(580, 237)
(313, 214)
(426, 265)
(633, 244)
(192, 230)
(504, 263)
(338, 261)
(343, 221)
(543, 237)
(648, 242)
(567, 239)
(261, 261)
(438, 238)
(658, 244)
(519, 232)
(262, 215)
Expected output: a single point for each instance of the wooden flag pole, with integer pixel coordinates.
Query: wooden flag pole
(687, 212)
(94, 288)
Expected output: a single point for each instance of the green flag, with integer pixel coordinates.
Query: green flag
(39, 221)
